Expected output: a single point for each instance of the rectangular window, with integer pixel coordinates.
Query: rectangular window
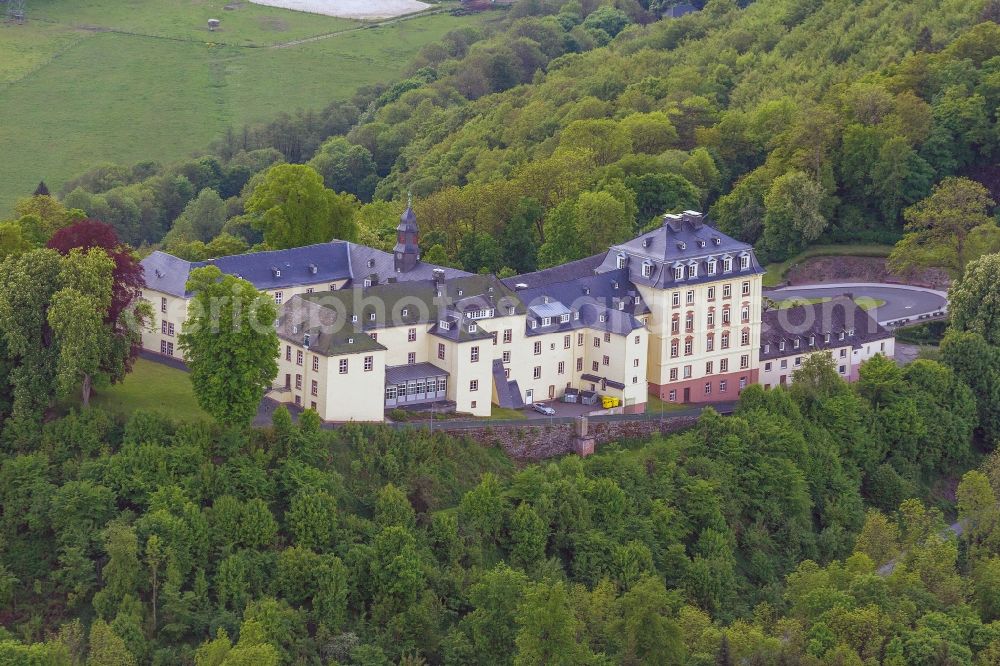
(675, 326)
(607, 337)
(688, 348)
(798, 361)
(725, 316)
(314, 388)
(635, 363)
(710, 343)
(711, 293)
(745, 338)
(708, 367)
(411, 358)
(537, 372)
(163, 305)
(710, 318)
(746, 288)
(298, 357)
(170, 328)
(673, 374)
(672, 396)
(567, 341)
(508, 335)
(637, 339)
(474, 354)
(687, 372)
(745, 314)
(579, 339)
(411, 335)
(727, 290)
(474, 385)
(767, 367)
(689, 323)
(675, 299)
(170, 349)
(369, 363)
(725, 339)
(743, 383)
(784, 363)
(708, 388)
(724, 365)
(843, 353)
(674, 346)
(315, 363)
(744, 362)
(163, 346)
(689, 298)
(298, 382)
(562, 367)
(537, 348)
(597, 341)
(441, 350)
(278, 296)
(163, 327)
(722, 386)
(288, 352)
(595, 366)
(843, 369)
(506, 357)
(744, 262)
(606, 361)
(579, 365)
(343, 366)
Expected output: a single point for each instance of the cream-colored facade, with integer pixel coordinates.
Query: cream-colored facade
(676, 312)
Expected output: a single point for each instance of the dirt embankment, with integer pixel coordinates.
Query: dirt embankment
(860, 269)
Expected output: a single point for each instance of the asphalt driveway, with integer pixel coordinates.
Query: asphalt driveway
(901, 301)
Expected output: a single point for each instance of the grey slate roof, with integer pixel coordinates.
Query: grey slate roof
(815, 320)
(400, 374)
(301, 320)
(562, 273)
(680, 241)
(312, 264)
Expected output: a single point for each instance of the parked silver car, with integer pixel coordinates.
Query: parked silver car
(543, 409)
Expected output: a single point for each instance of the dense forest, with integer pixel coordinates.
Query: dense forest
(755, 537)
(572, 125)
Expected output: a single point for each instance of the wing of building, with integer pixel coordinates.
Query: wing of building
(675, 313)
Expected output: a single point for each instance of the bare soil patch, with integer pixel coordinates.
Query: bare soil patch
(860, 269)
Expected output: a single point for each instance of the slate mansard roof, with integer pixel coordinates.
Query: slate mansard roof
(277, 269)
(812, 323)
(463, 302)
(683, 241)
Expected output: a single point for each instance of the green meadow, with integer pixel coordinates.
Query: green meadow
(90, 81)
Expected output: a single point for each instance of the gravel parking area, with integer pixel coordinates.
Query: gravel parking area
(355, 9)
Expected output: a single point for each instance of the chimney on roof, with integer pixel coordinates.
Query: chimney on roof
(647, 241)
(519, 286)
(313, 269)
(694, 218)
(672, 222)
(438, 275)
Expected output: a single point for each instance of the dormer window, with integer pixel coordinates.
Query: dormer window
(368, 282)
(781, 346)
(850, 332)
(621, 261)
(636, 300)
(510, 309)
(795, 344)
(679, 273)
(564, 318)
(716, 240)
(621, 305)
(406, 311)
(604, 318)
(711, 266)
(472, 328)
(459, 292)
(305, 340)
(546, 321)
(812, 340)
(371, 263)
(647, 269)
(727, 264)
(354, 318)
(276, 272)
(767, 349)
(295, 328)
(371, 317)
(576, 316)
(444, 325)
(534, 323)
(692, 270)
(350, 341)
(681, 245)
(701, 243)
(826, 338)
(841, 335)
(744, 262)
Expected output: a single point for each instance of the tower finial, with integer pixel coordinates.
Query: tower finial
(409, 199)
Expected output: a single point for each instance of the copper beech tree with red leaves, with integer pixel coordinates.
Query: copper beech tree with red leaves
(127, 284)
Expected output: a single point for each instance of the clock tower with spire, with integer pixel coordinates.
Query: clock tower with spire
(406, 254)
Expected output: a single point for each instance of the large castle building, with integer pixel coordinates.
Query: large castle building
(675, 313)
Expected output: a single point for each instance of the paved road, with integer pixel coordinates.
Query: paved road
(954, 528)
(901, 301)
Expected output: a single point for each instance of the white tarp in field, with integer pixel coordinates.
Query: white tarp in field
(356, 9)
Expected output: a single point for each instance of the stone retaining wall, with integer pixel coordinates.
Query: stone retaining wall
(532, 443)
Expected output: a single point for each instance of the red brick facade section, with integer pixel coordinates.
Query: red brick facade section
(696, 387)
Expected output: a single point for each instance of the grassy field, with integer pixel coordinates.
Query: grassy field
(151, 386)
(153, 84)
(775, 273)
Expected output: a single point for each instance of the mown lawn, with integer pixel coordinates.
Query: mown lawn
(73, 98)
(151, 386)
(775, 273)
